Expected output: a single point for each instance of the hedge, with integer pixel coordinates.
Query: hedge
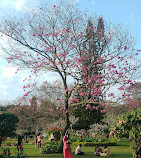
(109, 143)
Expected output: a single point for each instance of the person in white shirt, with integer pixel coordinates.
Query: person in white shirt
(78, 150)
(51, 137)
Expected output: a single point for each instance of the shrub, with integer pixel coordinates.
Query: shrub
(130, 126)
(84, 137)
(5, 153)
(50, 147)
(108, 143)
(56, 132)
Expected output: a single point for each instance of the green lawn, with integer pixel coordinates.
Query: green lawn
(121, 151)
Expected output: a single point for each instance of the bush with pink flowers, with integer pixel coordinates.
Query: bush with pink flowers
(130, 126)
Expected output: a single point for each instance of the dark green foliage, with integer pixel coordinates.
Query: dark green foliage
(5, 108)
(108, 143)
(86, 117)
(7, 124)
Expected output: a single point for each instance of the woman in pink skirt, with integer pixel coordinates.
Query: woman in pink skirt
(67, 149)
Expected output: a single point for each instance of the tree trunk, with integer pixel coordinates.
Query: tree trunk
(67, 124)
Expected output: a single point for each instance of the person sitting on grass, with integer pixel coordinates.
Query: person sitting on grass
(98, 150)
(78, 150)
(106, 152)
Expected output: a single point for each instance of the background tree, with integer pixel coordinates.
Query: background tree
(134, 93)
(49, 113)
(27, 115)
(7, 125)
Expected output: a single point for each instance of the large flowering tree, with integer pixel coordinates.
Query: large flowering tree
(53, 38)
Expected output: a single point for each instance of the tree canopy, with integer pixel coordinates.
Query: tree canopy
(8, 123)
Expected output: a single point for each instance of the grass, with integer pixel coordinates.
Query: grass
(121, 151)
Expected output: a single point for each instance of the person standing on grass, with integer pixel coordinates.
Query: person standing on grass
(51, 137)
(67, 149)
(39, 140)
(35, 141)
(19, 145)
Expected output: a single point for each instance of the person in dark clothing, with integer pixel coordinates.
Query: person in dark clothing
(19, 145)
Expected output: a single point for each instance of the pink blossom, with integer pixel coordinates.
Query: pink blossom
(111, 95)
(70, 100)
(82, 94)
(88, 106)
(125, 47)
(84, 79)
(61, 108)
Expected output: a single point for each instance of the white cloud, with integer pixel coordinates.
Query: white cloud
(5, 3)
(3, 93)
(10, 83)
(14, 4)
(20, 4)
(8, 72)
(3, 87)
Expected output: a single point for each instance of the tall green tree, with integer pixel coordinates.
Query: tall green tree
(8, 124)
(86, 117)
(84, 113)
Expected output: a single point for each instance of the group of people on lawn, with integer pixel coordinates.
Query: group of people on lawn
(68, 154)
(66, 148)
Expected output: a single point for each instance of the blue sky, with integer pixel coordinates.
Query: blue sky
(126, 12)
